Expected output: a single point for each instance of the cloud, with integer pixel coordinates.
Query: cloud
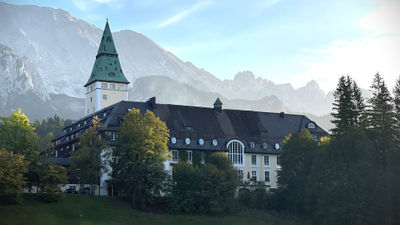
(385, 19)
(360, 59)
(183, 14)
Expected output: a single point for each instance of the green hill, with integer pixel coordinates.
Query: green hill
(82, 209)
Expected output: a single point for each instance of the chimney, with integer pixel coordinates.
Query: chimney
(218, 105)
(152, 103)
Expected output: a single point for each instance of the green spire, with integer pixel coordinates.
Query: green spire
(107, 66)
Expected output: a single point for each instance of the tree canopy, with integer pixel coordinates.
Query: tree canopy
(141, 149)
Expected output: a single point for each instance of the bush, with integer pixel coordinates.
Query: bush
(203, 188)
(50, 190)
(12, 169)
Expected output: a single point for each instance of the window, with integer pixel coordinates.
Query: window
(254, 160)
(311, 125)
(315, 138)
(114, 136)
(202, 157)
(88, 89)
(91, 99)
(235, 152)
(189, 156)
(174, 156)
(104, 86)
(112, 86)
(254, 175)
(240, 174)
(120, 87)
(277, 161)
(105, 97)
(266, 176)
(266, 160)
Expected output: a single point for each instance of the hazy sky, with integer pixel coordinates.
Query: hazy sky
(281, 40)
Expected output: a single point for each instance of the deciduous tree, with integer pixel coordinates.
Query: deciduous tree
(141, 149)
(86, 162)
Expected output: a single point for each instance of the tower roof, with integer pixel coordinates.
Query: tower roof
(107, 66)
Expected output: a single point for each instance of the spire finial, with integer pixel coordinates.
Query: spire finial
(107, 19)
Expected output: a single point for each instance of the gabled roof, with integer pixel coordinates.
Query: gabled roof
(107, 66)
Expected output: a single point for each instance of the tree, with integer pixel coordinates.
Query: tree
(342, 181)
(141, 149)
(86, 162)
(348, 106)
(297, 159)
(381, 121)
(12, 169)
(50, 187)
(47, 128)
(204, 188)
(396, 103)
(17, 136)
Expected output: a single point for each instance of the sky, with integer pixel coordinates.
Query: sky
(285, 41)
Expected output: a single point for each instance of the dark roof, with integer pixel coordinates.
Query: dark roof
(107, 66)
(209, 124)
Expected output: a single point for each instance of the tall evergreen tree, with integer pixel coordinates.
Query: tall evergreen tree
(348, 106)
(396, 102)
(360, 106)
(382, 131)
(381, 120)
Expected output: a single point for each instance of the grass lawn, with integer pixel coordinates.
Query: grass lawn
(82, 209)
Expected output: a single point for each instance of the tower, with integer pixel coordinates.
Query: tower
(107, 83)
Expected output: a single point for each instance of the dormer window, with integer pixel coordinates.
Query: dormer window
(311, 125)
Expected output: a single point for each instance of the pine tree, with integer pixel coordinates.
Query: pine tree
(382, 131)
(360, 106)
(348, 106)
(396, 102)
(381, 120)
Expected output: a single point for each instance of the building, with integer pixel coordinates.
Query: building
(252, 140)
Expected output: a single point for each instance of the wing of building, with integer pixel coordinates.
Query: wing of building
(251, 139)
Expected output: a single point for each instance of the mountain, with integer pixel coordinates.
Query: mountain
(21, 86)
(310, 98)
(167, 90)
(62, 49)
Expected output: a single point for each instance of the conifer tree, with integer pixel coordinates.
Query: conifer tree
(382, 132)
(396, 101)
(348, 106)
(381, 120)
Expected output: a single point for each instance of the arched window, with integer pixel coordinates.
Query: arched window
(311, 125)
(236, 152)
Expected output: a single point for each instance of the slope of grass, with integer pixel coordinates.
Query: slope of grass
(87, 210)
